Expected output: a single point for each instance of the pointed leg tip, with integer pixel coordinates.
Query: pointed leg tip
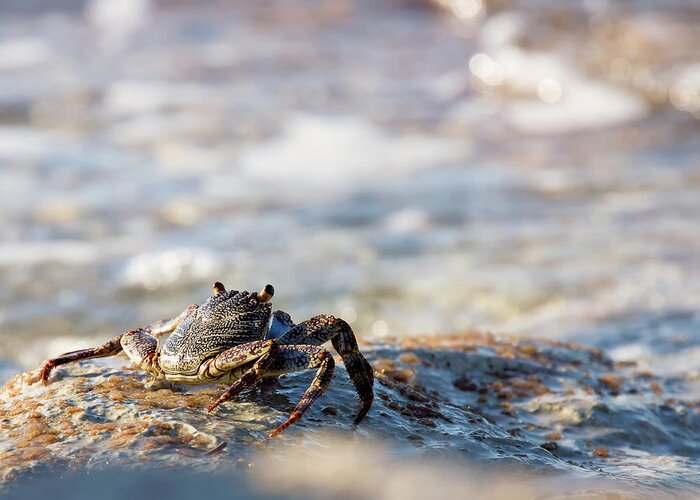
(217, 449)
(276, 432)
(45, 373)
(362, 412)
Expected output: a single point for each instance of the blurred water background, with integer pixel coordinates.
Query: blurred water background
(529, 167)
(522, 166)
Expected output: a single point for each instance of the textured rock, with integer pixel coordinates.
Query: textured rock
(539, 405)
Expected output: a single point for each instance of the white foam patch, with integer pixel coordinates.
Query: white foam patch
(128, 97)
(502, 29)
(155, 269)
(558, 97)
(409, 220)
(579, 103)
(32, 253)
(316, 151)
(21, 53)
(145, 129)
(27, 144)
(585, 104)
(116, 21)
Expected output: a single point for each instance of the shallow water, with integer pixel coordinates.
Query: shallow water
(531, 168)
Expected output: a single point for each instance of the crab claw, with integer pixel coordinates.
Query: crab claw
(266, 293)
(219, 288)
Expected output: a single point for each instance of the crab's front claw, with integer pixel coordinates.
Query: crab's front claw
(362, 412)
(362, 376)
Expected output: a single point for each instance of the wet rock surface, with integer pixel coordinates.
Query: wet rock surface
(530, 405)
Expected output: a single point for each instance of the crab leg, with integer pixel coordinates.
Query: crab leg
(116, 345)
(108, 349)
(248, 377)
(233, 358)
(322, 328)
(287, 359)
(295, 358)
(142, 348)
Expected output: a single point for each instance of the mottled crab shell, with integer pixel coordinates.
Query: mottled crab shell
(223, 321)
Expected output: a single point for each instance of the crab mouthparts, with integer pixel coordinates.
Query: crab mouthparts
(266, 293)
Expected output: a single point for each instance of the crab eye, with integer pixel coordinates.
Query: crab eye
(219, 288)
(266, 293)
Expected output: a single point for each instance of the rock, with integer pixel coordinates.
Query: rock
(470, 396)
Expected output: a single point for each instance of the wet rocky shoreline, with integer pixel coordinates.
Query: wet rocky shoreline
(530, 405)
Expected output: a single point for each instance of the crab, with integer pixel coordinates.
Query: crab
(235, 338)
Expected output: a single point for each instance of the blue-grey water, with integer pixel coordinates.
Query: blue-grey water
(415, 167)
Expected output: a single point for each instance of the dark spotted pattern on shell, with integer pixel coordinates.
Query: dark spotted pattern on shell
(223, 321)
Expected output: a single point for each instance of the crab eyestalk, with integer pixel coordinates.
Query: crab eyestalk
(219, 288)
(266, 293)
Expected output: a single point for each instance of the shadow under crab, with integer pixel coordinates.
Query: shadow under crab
(235, 338)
